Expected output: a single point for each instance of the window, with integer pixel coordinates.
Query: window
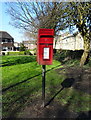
(4, 49)
(6, 40)
(3, 40)
(9, 40)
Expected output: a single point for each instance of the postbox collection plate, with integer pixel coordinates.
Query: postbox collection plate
(46, 53)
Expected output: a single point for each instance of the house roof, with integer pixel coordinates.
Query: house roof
(4, 34)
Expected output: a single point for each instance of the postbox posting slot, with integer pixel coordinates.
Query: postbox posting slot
(46, 44)
(46, 36)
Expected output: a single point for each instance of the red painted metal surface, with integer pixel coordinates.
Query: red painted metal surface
(45, 46)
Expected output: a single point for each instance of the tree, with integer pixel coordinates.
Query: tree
(27, 36)
(34, 15)
(22, 47)
(79, 15)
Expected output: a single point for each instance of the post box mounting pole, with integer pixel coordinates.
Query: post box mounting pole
(43, 83)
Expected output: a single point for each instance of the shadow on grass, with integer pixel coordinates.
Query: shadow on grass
(11, 86)
(18, 60)
(22, 99)
(84, 115)
(56, 110)
(82, 78)
(68, 82)
(5, 89)
(16, 107)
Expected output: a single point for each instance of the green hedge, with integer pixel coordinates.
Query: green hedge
(27, 52)
(62, 54)
(16, 53)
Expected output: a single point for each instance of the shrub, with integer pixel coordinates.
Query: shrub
(75, 54)
(3, 53)
(16, 53)
(21, 53)
(35, 51)
(27, 52)
(62, 55)
(22, 47)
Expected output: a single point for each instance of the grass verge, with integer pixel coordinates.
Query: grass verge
(20, 96)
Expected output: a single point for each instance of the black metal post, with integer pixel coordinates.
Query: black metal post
(43, 83)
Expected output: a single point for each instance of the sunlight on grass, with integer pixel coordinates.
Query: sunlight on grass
(16, 73)
(22, 95)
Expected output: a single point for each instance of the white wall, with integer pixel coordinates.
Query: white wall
(69, 42)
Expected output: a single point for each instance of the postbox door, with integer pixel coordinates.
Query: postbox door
(45, 54)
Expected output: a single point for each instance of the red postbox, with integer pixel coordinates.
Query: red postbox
(45, 46)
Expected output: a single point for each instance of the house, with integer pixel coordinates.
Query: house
(30, 44)
(6, 42)
(16, 46)
(69, 42)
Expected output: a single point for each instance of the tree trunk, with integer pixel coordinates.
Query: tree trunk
(86, 51)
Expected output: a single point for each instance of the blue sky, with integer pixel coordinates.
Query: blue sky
(5, 26)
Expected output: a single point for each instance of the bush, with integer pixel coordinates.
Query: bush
(22, 47)
(16, 53)
(75, 54)
(35, 51)
(3, 53)
(62, 55)
(27, 52)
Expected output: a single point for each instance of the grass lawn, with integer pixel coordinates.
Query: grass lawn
(16, 69)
